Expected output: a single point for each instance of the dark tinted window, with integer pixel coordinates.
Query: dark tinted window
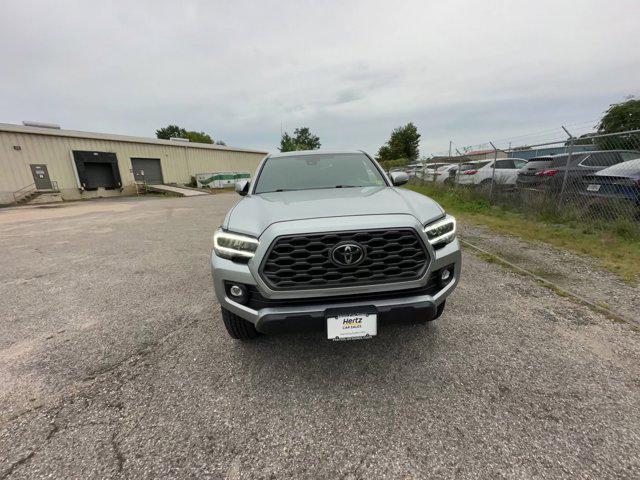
(540, 159)
(302, 172)
(601, 159)
(508, 163)
(629, 156)
(561, 160)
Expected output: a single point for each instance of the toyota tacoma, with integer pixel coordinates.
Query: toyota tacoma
(325, 241)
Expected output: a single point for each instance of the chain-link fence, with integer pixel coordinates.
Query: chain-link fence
(593, 179)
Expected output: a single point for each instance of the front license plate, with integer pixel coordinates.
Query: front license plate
(593, 187)
(352, 326)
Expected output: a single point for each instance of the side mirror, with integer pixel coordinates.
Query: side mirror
(399, 178)
(242, 187)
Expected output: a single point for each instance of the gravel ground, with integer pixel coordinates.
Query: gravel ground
(572, 272)
(114, 363)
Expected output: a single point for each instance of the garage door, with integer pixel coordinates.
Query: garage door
(98, 174)
(148, 170)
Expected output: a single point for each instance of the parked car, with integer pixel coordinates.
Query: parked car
(527, 175)
(580, 165)
(430, 171)
(325, 240)
(449, 178)
(412, 169)
(621, 181)
(480, 173)
(444, 172)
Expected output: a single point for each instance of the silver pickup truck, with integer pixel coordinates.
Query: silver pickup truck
(325, 241)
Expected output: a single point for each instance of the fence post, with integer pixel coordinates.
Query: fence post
(566, 170)
(457, 175)
(454, 177)
(493, 171)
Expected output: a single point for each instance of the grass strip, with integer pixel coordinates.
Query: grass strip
(616, 247)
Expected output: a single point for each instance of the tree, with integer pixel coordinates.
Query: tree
(286, 143)
(389, 164)
(584, 139)
(620, 117)
(171, 131)
(302, 139)
(385, 154)
(199, 137)
(174, 131)
(403, 143)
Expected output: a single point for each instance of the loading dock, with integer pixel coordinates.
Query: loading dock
(97, 169)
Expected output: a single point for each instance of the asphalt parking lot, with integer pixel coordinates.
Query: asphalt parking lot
(114, 363)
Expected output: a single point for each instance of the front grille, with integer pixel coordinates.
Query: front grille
(257, 302)
(304, 261)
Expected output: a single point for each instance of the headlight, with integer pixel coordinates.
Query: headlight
(230, 245)
(441, 232)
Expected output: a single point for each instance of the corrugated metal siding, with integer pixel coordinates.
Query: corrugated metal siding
(178, 162)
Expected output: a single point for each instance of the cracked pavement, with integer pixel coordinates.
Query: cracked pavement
(114, 364)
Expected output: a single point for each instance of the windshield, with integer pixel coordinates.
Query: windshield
(304, 172)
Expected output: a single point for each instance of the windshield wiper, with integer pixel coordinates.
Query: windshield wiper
(280, 190)
(312, 188)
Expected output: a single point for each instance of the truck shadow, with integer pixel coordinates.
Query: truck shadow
(307, 362)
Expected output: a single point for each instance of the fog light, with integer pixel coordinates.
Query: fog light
(236, 291)
(444, 276)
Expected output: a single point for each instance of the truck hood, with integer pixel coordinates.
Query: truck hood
(255, 213)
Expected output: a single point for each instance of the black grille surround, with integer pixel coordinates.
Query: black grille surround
(303, 261)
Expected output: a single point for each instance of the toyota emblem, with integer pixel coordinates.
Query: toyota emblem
(347, 254)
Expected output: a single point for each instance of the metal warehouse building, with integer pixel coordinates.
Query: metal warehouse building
(41, 159)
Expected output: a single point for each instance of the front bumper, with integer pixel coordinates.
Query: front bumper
(302, 310)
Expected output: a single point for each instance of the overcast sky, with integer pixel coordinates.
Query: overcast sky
(468, 71)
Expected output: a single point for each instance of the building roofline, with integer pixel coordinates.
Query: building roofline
(54, 132)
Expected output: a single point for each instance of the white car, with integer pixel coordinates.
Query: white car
(480, 173)
(412, 169)
(446, 172)
(429, 172)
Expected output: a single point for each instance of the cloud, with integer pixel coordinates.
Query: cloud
(351, 71)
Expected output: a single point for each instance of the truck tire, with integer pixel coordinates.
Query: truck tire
(439, 311)
(238, 327)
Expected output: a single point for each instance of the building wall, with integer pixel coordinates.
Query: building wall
(179, 162)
